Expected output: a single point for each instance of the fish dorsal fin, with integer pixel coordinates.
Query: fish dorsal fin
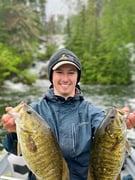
(110, 115)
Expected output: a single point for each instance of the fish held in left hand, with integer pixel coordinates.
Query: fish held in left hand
(38, 145)
(109, 147)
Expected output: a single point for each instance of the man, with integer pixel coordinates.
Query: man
(73, 120)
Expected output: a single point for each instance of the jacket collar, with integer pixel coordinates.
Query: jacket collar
(52, 97)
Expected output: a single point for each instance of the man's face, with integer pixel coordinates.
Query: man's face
(64, 80)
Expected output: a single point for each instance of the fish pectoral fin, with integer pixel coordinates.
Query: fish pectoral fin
(128, 147)
(31, 145)
(19, 153)
(65, 171)
(119, 177)
(90, 174)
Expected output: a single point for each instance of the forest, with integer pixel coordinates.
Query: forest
(101, 33)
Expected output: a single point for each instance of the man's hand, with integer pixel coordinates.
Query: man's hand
(130, 121)
(8, 121)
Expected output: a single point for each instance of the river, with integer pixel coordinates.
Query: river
(103, 96)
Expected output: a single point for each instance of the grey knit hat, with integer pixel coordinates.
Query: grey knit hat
(63, 56)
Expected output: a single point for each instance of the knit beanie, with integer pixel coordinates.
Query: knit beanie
(63, 56)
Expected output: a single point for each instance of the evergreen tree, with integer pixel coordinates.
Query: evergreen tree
(99, 35)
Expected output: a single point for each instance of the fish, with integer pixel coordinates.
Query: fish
(38, 144)
(109, 147)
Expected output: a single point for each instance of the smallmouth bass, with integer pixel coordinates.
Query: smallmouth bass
(109, 147)
(38, 145)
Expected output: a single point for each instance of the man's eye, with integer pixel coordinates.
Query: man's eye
(58, 72)
(72, 72)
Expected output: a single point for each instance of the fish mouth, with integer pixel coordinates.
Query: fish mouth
(14, 114)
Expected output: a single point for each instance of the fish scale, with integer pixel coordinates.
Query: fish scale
(109, 147)
(38, 145)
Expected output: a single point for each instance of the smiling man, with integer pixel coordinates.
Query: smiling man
(64, 80)
(73, 119)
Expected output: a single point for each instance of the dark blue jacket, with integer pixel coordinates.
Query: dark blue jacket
(74, 122)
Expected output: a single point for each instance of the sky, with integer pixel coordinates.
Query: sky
(56, 7)
(61, 7)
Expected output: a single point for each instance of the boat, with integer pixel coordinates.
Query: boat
(12, 167)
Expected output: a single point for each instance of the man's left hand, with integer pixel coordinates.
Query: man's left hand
(130, 121)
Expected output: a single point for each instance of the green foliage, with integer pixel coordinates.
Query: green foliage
(100, 70)
(20, 26)
(26, 77)
(84, 32)
(89, 66)
(118, 20)
(50, 49)
(75, 39)
(116, 33)
(12, 64)
(8, 62)
(99, 35)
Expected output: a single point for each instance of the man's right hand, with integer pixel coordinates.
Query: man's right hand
(8, 121)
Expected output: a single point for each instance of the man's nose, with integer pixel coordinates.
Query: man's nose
(65, 77)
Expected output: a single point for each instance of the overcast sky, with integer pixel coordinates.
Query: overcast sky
(56, 7)
(61, 7)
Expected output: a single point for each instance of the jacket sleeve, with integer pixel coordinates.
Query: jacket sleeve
(10, 143)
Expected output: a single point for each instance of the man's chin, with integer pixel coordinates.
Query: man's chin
(64, 94)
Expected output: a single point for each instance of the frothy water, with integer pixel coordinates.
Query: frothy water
(103, 96)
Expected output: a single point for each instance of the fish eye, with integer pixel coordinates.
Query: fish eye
(29, 112)
(112, 117)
